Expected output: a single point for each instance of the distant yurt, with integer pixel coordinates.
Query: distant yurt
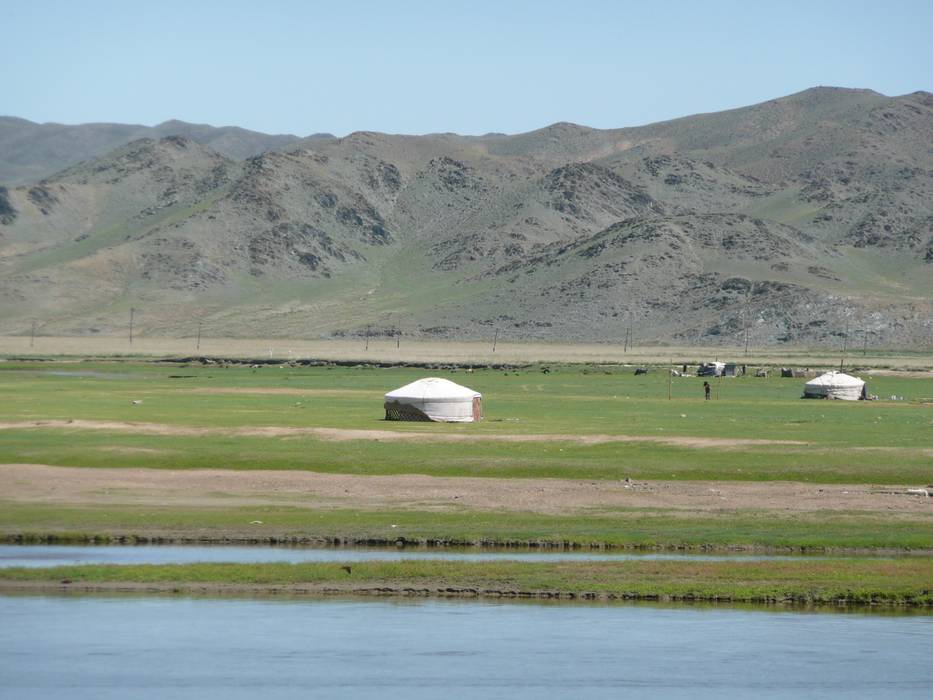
(711, 369)
(434, 399)
(835, 385)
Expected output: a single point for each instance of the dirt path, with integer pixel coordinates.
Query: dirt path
(37, 483)
(343, 434)
(285, 391)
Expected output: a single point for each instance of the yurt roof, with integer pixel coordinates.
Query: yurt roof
(432, 388)
(835, 379)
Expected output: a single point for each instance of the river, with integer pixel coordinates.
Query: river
(62, 555)
(176, 647)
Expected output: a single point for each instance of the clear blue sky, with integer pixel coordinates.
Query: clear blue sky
(468, 67)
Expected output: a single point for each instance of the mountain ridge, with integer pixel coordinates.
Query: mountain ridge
(790, 220)
(206, 133)
(30, 151)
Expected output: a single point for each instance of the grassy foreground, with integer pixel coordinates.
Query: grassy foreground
(629, 528)
(883, 442)
(849, 581)
(556, 460)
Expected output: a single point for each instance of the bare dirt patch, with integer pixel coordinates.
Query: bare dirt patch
(38, 483)
(344, 434)
(114, 426)
(133, 450)
(913, 374)
(285, 391)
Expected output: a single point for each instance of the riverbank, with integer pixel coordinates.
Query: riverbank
(636, 529)
(853, 581)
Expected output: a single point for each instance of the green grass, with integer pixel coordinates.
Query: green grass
(575, 400)
(885, 442)
(568, 401)
(629, 528)
(854, 581)
(612, 461)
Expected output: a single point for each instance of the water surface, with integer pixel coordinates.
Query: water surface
(56, 555)
(112, 647)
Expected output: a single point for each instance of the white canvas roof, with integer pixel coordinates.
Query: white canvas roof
(433, 389)
(835, 385)
(835, 378)
(434, 399)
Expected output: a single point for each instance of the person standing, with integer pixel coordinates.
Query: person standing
(706, 389)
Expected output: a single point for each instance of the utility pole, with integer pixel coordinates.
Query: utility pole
(746, 323)
(32, 335)
(670, 378)
(495, 340)
(624, 333)
(132, 314)
(845, 345)
(198, 345)
(366, 348)
(628, 332)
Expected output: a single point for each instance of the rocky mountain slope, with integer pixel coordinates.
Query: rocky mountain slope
(791, 221)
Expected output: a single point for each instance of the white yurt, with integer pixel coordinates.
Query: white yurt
(835, 385)
(434, 399)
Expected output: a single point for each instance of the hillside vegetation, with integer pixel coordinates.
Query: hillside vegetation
(793, 221)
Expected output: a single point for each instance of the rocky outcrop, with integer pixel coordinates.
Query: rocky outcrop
(7, 212)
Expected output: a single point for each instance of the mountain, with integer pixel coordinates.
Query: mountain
(30, 151)
(792, 220)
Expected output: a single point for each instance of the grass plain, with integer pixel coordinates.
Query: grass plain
(883, 443)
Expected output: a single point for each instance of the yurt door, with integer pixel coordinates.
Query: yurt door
(477, 408)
